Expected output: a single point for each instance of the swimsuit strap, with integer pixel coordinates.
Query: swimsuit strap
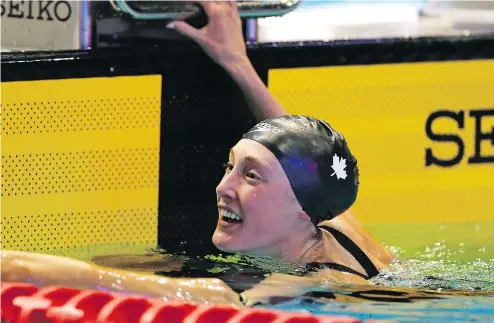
(354, 250)
(313, 266)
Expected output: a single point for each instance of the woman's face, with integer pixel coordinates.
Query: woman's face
(256, 193)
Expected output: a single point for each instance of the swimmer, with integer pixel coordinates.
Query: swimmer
(284, 194)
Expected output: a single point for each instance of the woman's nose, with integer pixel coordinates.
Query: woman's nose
(226, 188)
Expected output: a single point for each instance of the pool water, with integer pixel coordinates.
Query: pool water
(456, 292)
(448, 309)
(445, 274)
(414, 290)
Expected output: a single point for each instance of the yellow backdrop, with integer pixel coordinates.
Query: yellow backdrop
(382, 110)
(80, 162)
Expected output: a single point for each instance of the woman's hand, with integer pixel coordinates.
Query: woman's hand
(222, 37)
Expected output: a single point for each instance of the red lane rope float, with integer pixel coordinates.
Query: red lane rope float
(9, 293)
(24, 303)
(33, 308)
(84, 307)
(172, 312)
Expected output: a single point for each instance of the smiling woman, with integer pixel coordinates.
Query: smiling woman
(256, 190)
(278, 183)
(287, 188)
(284, 177)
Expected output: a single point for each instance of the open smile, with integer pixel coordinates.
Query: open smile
(229, 219)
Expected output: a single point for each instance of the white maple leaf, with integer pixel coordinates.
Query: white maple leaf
(339, 166)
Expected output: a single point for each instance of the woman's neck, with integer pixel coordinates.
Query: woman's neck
(300, 246)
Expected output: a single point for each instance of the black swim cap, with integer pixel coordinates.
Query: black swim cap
(321, 169)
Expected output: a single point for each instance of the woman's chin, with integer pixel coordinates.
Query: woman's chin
(225, 242)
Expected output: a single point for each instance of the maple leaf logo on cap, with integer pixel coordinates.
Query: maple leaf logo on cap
(339, 166)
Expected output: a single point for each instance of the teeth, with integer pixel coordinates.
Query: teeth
(231, 215)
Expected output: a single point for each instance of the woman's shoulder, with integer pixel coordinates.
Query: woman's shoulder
(348, 225)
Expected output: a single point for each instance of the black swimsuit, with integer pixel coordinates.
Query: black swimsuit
(241, 278)
(353, 249)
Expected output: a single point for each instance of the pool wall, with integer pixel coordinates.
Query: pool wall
(125, 146)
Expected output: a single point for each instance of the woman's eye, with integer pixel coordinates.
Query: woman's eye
(252, 175)
(228, 167)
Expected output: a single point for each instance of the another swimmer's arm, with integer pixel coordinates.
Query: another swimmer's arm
(277, 284)
(292, 286)
(44, 270)
(223, 41)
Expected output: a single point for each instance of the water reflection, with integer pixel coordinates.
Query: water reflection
(407, 280)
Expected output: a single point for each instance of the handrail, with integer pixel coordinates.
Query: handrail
(170, 10)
